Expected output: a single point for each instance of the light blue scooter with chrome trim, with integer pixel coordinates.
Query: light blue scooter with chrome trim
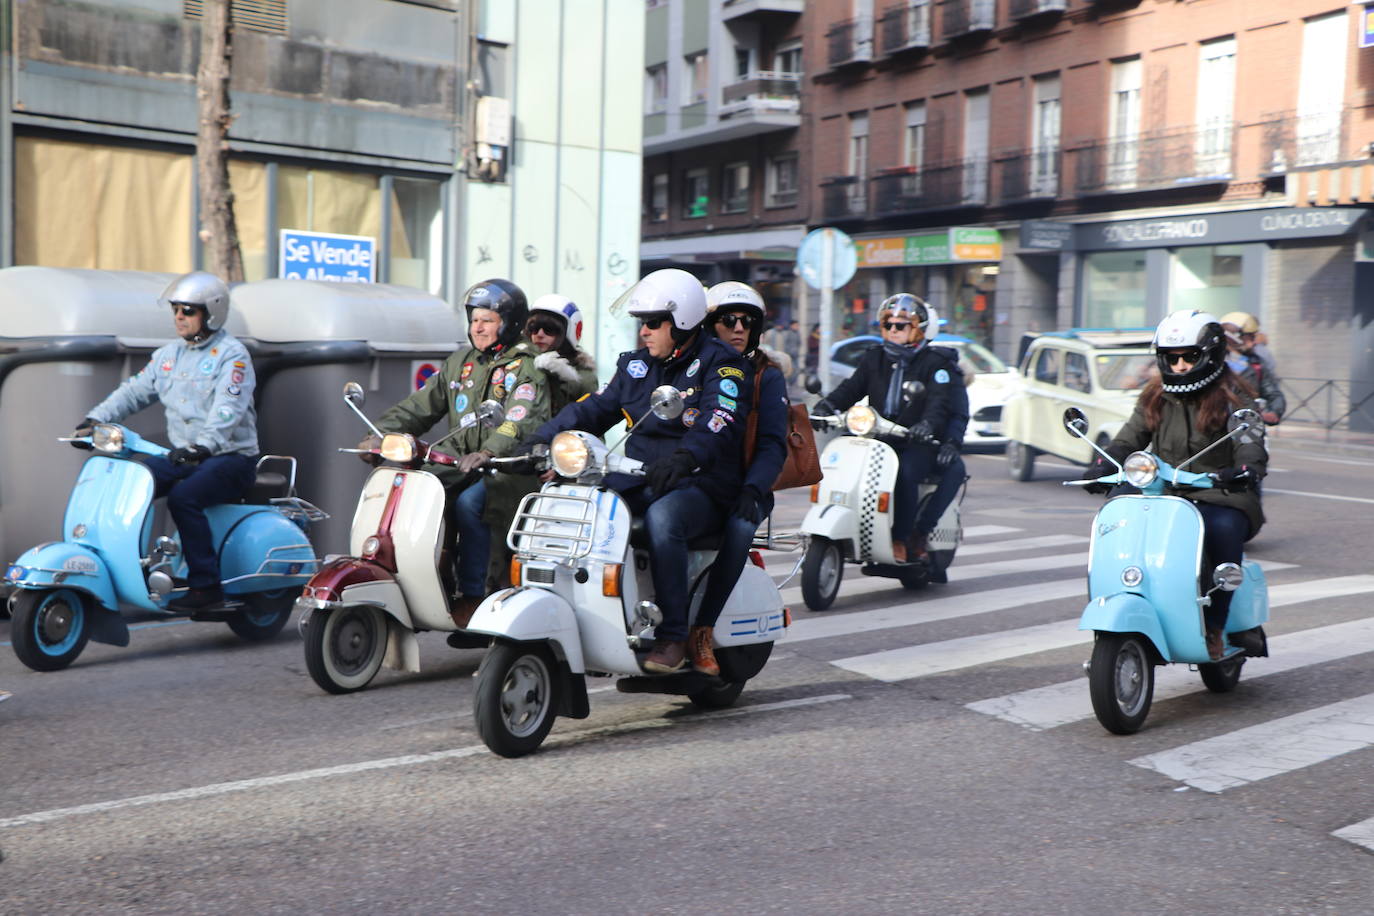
(74, 590)
(1145, 584)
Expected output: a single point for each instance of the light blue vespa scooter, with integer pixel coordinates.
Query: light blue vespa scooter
(67, 592)
(1146, 580)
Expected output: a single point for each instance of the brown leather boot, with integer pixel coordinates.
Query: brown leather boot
(898, 551)
(462, 609)
(699, 647)
(667, 657)
(1215, 649)
(919, 546)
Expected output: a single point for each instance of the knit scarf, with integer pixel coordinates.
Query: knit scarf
(901, 357)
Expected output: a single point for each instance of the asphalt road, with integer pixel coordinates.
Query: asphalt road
(903, 752)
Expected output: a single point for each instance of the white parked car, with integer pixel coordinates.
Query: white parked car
(993, 382)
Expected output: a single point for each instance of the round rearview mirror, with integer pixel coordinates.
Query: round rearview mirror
(1228, 576)
(812, 383)
(1245, 418)
(666, 402)
(353, 393)
(491, 413)
(1076, 422)
(913, 389)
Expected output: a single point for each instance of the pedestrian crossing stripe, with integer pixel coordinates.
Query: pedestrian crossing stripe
(1361, 834)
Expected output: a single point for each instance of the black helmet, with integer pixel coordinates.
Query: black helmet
(1191, 329)
(505, 299)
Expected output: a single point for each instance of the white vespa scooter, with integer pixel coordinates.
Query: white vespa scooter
(850, 521)
(362, 611)
(582, 604)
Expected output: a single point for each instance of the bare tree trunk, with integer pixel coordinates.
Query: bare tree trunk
(218, 229)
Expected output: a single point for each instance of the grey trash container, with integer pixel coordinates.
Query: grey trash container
(68, 337)
(308, 338)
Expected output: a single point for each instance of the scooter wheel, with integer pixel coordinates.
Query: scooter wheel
(822, 570)
(1121, 681)
(263, 615)
(516, 699)
(1222, 676)
(49, 628)
(344, 646)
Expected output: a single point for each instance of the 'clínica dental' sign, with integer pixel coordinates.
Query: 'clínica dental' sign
(327, 256)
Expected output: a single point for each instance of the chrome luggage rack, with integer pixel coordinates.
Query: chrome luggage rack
(539, 529)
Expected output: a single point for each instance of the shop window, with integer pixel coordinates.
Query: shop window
(317, 200)
(417, 234)
(248, 182)
(104, 207)
(1114, 290)
(696, 194)
(1207, 277)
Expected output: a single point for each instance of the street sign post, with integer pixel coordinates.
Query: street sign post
(825, 260)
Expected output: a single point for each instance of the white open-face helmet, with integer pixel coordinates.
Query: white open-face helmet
(734, 296)
(565, 309)
(1191, 329)
(913, 307)
(671, 292)
(203, 290)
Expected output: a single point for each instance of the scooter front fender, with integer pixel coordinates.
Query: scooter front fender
(838, 523)
(63, 564)
(532, 615)
(1126, 612)
(351, 580)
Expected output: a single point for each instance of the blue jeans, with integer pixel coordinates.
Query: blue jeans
(671, 521)
(915, 462)
(951, 479)
(1224, 533)
(736, 539)
(190, 490)
(474, 540)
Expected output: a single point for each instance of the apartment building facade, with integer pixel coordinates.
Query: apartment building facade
(724, 158)
(1035, 164)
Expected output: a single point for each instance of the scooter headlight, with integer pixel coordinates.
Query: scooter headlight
(570, 454)
(1141, 469)
(860, 420)
(108, 438)
(398, 447)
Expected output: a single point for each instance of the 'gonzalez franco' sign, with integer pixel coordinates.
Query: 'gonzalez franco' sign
(327, 256)
(1220, 228)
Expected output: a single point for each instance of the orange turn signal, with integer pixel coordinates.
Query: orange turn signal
(610, 580)
(883, 500)
(515, 567)
(787, 617)
(815, 492)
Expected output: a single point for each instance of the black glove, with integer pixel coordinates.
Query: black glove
(822, 408)
(190, 454)
(948, 452)
(748, 506)
(85, 428)
(1235, 479)
(1099, 468)
(666, 473)
(920, 431)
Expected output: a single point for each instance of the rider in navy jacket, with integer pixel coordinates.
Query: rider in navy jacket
(693, 467)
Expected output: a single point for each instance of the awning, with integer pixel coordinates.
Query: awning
(760, 245)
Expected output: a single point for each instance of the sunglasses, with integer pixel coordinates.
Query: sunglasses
(187, 311)
(547, 326)
(896, 325)
(1191, 355)
(733, 321)
(653, 323)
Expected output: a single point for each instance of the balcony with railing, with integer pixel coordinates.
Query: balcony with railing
(938, 186)
(1167, 159)
(1022, 10)
(844, 197)
(849, 43)
(764, 91)
(966, 18)
(1026, 176)
(905, 28)
(1289, 140)
(739, 9)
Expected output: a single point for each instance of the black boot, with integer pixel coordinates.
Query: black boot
(197, 599)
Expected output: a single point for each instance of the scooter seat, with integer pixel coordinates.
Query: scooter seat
(639, 537)
(267, 486)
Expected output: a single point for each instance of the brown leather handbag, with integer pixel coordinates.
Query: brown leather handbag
(802, 467)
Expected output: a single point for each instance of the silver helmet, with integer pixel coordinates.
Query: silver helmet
(201, 289)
